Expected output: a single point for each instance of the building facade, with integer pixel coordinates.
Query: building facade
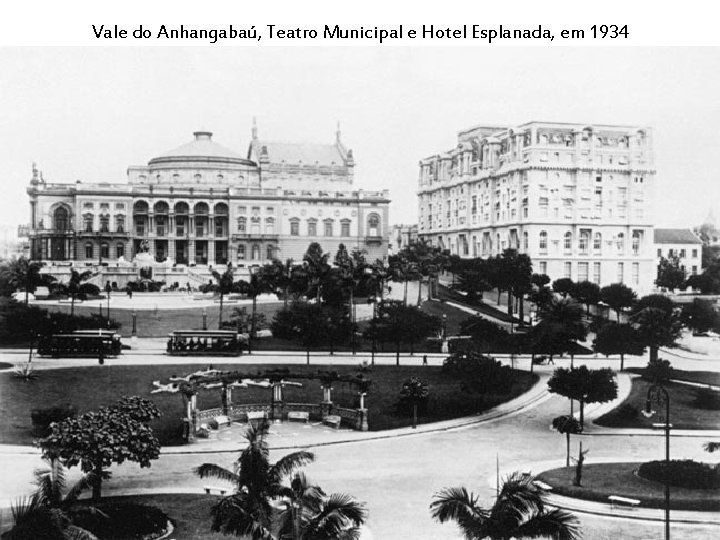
(576, 198)
(402, 236)
(203, 205)
(682, 243)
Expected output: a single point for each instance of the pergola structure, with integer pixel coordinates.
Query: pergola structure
(276, 379)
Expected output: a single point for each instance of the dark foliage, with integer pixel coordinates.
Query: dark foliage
(124, 520)
(707, 398)
(480, 374)
(684, 473)
(42, 418)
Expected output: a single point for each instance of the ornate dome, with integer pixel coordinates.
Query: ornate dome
(201, 149)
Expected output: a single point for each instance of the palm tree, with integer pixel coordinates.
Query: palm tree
(249, 511)
(519, 511)
(307, 513)
(316, 267)
(76, 278)
(45, 513)
(21, 273)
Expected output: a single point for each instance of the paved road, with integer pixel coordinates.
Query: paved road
(397, 477)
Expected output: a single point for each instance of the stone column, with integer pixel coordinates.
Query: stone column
(277, 402)
(211, 251)
(191, 251)
(326, 404)
(362, 423)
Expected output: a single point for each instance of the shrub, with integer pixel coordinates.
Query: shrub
(42, 418)
(685, 473)
(213, 424)
(707, 398)
(89, 289)
(202, 433)
(124, 520)
(479, 373)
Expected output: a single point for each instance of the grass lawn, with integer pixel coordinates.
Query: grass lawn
(683, 414)
(109, 383)
(703, 377)
(601, 480)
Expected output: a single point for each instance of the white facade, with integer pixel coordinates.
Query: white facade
(576, 198)
(682, 243)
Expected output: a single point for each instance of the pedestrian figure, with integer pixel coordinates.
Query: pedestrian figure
(101, 356)
(424, 360)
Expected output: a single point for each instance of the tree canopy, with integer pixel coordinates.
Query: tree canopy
(584, 385)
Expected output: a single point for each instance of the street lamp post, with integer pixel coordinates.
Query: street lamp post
(659, 393)
(108, 290)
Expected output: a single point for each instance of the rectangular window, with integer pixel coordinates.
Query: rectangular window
(694, 270)
(659, 253)
(241, 252)
(294, 228)
(567, 270)
(582, 271)
(620, 272)
(694, 253)
(543, 267)
(682, 253)
(312, 228)
(345, 228)
(596, 273)
(328, 228)
(635, 273)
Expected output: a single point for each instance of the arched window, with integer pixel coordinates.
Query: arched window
(120, 223)
(161, 207)
(61, 219)
(201, 209)
(269, 228)
(120, 250)
(221, 209)
(88, 250)
(242, 225)
(373, 225)
(597, 242)
(568, 241)
(543, 240)
(105, 250)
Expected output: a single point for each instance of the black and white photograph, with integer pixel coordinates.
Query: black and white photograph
(359, 292)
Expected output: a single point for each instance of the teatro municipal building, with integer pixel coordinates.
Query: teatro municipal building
(202, 205)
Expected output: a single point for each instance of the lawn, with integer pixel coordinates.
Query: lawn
(683, 413)
(703, 377)
(108, 383)
(600, 480)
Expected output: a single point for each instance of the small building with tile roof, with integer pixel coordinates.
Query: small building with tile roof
(683, 243)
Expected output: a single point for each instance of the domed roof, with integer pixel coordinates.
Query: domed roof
(202, 148)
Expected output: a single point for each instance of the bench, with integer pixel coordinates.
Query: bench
(660, 425)
(299, 416)
(542, 485)
(616, 499)
(211, 489)
(254, 416)
(332, 420)
(223, 420)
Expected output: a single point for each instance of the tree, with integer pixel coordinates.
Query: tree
(76, 279)
(21, 273)
(588, 293)
(317, 268)
(567, 425)
(541, 296)
(584, 385)
(618, 296)
(564, 287)
(258, 284)
(472, 279)
(699, 316)
(242, 321)
(616, 338)
(96, 440)
(567, 314)
(413, 393)
(516, 269)
(658, 371)
(403, 270)
(486, 335)
(519, 511)
(657, 328)
(307, 513)
(670, 273)
(224, 285)
(398, 323)
(248, 511)
(659, 301)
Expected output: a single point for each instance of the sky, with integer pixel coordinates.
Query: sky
(89, 113)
